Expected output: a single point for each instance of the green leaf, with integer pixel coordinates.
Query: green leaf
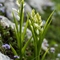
(15, 21)
(16, 31)
(43, 33)
(47, 23)
(13, 50)
(44, 55)
(24, 32)
(18, 38)
(21, 16)
(26, 44)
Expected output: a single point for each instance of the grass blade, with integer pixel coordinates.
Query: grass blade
(44, 55)
(23, 49)
(13, 50)
(42, 35)
(16, 30)
(24, 32)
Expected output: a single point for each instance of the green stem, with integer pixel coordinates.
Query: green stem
(35, 51)
(21, 22)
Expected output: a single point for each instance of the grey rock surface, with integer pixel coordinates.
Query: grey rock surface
(10, 4)
(37, 4)
(6, 22)
(4, 57)
(2, 1)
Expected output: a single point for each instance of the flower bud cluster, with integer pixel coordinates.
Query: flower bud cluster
(35, 22)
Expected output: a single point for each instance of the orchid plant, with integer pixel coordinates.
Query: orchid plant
(38, 31)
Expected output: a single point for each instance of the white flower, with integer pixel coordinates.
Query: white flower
(45, 45)
(52, 49)
(58, 54)
(45, 41)
(16, 56)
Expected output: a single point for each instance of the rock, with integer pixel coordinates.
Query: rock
(9, 4)
(38, 4)
(6, 23)
(2, 1)
(27, 8)
(2, 9)
(4, 57)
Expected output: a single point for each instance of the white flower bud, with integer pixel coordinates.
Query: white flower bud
(36, 25)
(29, 22)
(37, 31)
(31, 26)
(14, 9)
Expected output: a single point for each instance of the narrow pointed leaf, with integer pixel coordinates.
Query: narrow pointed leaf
(15, 21)
(47, 24)
(26, 44)
(16, 30)
(13, 50)
(44, 31)
(43, 57)
(24, 32)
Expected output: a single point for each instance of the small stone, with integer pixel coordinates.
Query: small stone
(4, 57)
